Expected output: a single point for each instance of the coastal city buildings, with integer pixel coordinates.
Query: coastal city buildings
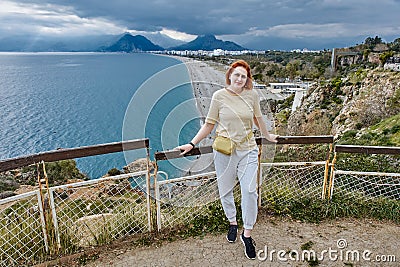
(220, 52)
(393, 63)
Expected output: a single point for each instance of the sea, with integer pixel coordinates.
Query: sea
(66, 100)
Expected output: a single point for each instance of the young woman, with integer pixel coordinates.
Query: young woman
(234, 109)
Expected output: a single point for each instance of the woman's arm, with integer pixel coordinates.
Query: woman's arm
(205, 130)
(259, 122)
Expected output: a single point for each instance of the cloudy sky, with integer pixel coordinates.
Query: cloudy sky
(255, 24)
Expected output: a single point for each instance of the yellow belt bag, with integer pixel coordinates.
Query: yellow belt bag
(225, 145)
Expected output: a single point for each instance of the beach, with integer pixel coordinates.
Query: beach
(205, 80)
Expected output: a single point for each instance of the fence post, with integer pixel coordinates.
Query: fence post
(42, 205)
(42, 218)
(148, 189)
(332, 177)
(54, 216)
(153, 202)
(259, 175)
(158, 206)
(326, 174)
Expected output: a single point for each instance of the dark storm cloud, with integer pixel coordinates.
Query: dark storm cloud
(194, 17)
(244, 20)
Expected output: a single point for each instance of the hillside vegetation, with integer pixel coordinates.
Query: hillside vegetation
(353, 103)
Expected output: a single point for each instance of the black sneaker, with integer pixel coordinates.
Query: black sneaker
(232, 233)
(249, 247)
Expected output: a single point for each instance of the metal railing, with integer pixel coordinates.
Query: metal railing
(361, 184)
(180, 200)
(64, 219)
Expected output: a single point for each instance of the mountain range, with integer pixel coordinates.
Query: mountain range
(137, 43)
(112, 43)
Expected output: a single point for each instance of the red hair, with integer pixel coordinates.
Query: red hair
(234, 65)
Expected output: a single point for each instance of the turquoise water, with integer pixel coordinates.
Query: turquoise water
(65, 100)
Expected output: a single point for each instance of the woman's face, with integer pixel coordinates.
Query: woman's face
(238, 77)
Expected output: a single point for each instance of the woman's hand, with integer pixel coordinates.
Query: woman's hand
(201, 134)
(264, 132)
(184, 148)
(273, 138)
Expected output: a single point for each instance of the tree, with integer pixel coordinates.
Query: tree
(383, 57)
(372, 42)
(395, 45)
(292, 68)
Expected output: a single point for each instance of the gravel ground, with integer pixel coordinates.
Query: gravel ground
(343, 238)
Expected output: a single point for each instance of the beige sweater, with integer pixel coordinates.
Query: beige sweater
(234, 114)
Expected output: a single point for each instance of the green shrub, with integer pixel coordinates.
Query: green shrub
(114, 172)
(349, 135)
(395, 129)
(58, 173)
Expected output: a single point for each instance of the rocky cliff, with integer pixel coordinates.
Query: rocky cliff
(360, 100)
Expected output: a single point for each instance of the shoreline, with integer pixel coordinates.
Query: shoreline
(205, 81)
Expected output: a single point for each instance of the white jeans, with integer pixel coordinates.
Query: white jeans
(241, 164)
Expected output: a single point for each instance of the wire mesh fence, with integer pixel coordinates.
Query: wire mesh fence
(22, 239)
(181, 200)
(286, 181)
(365, 173)
(70, 217)
(98, 211)
(65, 218)
(366, 185)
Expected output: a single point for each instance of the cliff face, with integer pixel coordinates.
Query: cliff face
(358, 101)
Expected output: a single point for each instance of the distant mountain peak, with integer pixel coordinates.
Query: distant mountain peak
(208, 42)
(208, 36)
(129, 43)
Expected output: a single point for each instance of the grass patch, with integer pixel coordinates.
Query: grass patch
(211, 220)
(314, 210)
(384, 133)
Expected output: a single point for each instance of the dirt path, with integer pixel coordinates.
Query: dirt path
(369, 239)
